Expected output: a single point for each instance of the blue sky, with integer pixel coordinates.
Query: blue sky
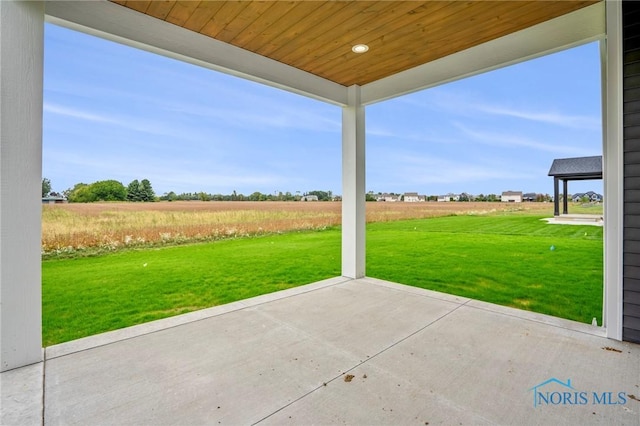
(114, 112)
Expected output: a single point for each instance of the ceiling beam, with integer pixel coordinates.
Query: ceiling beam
(123, 25)
(572, 29)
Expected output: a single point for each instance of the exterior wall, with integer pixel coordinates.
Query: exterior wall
(631, 125)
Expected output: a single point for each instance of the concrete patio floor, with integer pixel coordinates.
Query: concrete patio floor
(339, 351)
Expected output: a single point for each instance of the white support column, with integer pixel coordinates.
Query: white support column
(21, 58)
(613, 171)
(353, 186)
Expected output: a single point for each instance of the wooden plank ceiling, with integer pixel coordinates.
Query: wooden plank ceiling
(317, 36)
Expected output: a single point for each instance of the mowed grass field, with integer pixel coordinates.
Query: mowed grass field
(496, 252)
(517, 260)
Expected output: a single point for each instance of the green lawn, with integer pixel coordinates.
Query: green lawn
(90, 295)
(501, 259)
(506, 260)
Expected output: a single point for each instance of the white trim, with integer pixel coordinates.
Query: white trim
(561, 33)
(126, 26)
(353, 186)
(21, 56)
(613, 172)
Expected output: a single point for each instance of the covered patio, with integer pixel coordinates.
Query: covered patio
(415, 356)
(339, 351)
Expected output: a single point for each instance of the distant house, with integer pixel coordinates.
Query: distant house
(592, 196)
(511, 197)
(529, 196)
(412, 197)
(389, 198)
(309, 198)
(448, 197)
(54, 200)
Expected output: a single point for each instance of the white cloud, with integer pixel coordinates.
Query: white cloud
(515, 141)
(556, 118)
(468, 105)
(77, 114)
(262, 113)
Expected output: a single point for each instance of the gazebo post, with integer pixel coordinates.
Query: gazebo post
(564, 198)
(556, 197)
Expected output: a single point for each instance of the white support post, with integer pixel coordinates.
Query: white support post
(353, 186)
(613, 171)
(21, 59)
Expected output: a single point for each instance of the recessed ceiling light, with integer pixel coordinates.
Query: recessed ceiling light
(360, 48)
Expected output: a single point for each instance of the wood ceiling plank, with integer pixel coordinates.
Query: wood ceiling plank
(224, 17)
(277, 25)
(316, 36)
(203, 14)
(489, 27)
(160, 9)
(181, 12)
(402, 45)
(356, 30)
(325, 33)
(390, 38)
(289, 37)
(397, 14)
(259, 20)
(307, 38)
(140, 6)
(471, 30)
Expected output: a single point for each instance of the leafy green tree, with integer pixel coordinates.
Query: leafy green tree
(108, 190)
(257, 196)
(79, 194)
(169, 196)
(46, 187)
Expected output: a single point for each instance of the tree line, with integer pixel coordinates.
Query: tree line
(142, 191)
(255, 196)
(104, 190)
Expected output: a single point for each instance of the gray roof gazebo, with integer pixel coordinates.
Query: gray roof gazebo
(577, 168)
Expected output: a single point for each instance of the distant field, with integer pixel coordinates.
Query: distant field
(70, 229)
